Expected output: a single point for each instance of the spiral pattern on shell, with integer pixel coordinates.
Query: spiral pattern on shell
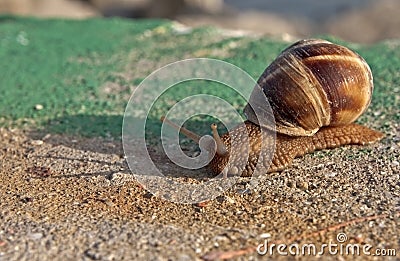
(314, 83)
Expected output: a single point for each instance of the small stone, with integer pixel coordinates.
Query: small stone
(377, 113)
(303, 185)
(234, 171)
(121, 177)
(330, 174)
(220, 238)
(35, 236)
(38, 107)
(395, 163)
(37, 142)
(47, 136)
(230, 200)
(203, 204)
(265, 235)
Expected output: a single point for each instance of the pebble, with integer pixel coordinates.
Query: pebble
(377, 113)
(220, 238)
(37, 142)
(265, 235)
(47, 136)
(39, 107)
(395, 163)
(121, 177)
(303, 185)
(35, 236)
(330, 174)
(230, 200)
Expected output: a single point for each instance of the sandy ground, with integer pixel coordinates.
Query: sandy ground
(74, 198)
(69, 198)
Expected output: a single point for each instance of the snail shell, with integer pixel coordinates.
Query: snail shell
(314, 83)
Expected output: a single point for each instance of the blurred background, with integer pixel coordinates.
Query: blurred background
(362, 21)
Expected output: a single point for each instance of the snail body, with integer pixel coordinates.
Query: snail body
(316, 90)
(286, 147)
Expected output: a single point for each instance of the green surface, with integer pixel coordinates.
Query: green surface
(83, 72)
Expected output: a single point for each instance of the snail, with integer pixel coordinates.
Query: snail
(316, 90)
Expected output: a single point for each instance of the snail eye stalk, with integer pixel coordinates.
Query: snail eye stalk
(221, 148)
(191, 135)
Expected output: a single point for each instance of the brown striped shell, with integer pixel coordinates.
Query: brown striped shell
(315, 83)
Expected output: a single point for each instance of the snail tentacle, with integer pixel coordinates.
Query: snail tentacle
(191, 135)
(221, 148)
